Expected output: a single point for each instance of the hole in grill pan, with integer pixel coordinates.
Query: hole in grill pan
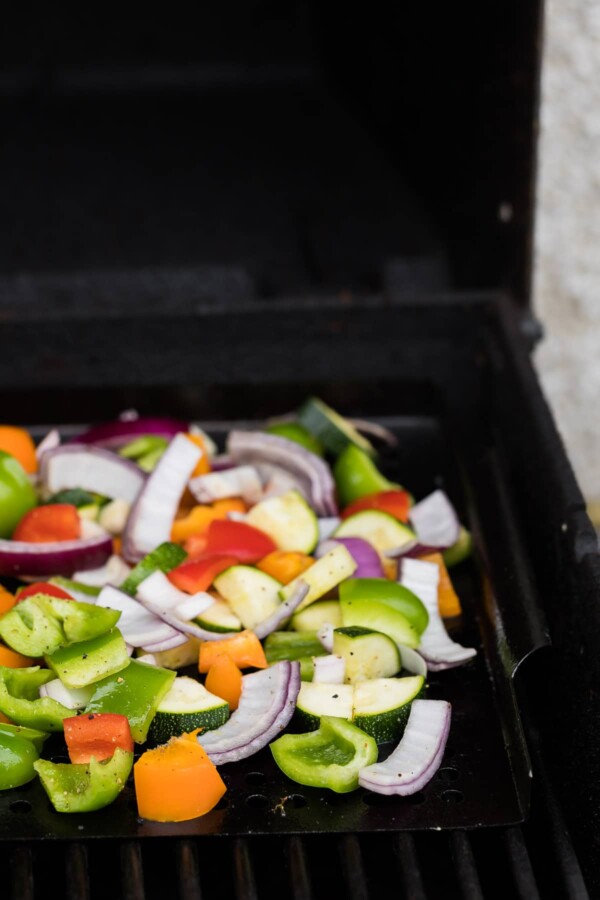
(452, 797)
(257, 801)
(20, 806)
(255, 778)
(448, 773)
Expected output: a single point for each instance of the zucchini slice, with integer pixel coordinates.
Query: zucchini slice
(252, 595)
(219, 617)
(327, 573)
(288, 519)
(330, 428)
(382, 706)
(187, 706)
(318, 699)
(325, 612)
(378, 528)
(368, 654)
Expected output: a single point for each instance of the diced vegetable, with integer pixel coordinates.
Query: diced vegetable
(395, 503)
(37, 738)
(364, 554)
(20, 700)
(96, 735)
(389, 593)
(187, 706)
(460, 550)
(288, 520)
(42, 587)
(325, 699)
(330, 428)
(14, 660)
(244, 649)
(72, 698)
(24, 558)
(285, 565)
(292, 645)
(46, 524)
(330, 757)
(448, 601)
(92, 469)
(86, 787)
(224, 678)
(293, 431)
(18, 443)
(252, 595)
(381, 706)
(17, 756)
(176, 782)
(241, 540)
(17, 495)
(219, 618)
(86, 662)
(163, 558)
(381, 530)
(367, 654)
(313, 617)
(327, 573)
(380, 617)
(198, 575)
(330, 669)
(241, 481)
(356, 475)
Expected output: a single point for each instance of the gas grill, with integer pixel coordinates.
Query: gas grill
(219, 233)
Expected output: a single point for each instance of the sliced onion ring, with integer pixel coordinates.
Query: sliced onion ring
(266, 706)
(137, 625)
(417, 757)
(21, 558)
(435, 521)
(329, 669)
(255, 447)
(92, 468)
(373, 429)
(118, 433)
(150, 520)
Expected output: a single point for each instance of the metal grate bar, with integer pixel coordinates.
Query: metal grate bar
(299, 875)
(520, 864)
(76, 872)
(132, 870)
(186, 861)
(464, 863)
(22, 873)
(408, 864)
(353, 868)
(245, 882)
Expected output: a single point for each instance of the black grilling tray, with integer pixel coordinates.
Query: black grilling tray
(215, 225)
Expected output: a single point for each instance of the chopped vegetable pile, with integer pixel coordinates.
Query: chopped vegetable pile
(198, 604)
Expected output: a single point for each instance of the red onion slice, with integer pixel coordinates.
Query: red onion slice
(283, 612)
(417, 757)
(373, 429)
(329, 669)
(366, 557)
(114, 571)
(72, 698)
(325, 636)
(150, 520)
(137, 625)
(437, 647)
(435, 521)
(21, 558)
(49, 442)
(327, 526)
(117, 434)
(158, 590)
(241, 481)
(169, 643)
(266, 706)
(258, 447)
(92, 469)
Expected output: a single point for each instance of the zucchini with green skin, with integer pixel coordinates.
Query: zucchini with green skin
(252, 595)
(317, 699)
(368, 654)
(381, 706)
(220, 618)
(288, 520)
(380, 617)
(330, 428)
(323, 612)
(380, 529)
(186, 707)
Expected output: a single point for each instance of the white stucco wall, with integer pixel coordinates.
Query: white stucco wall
(567, 279)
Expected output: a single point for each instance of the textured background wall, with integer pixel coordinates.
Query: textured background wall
(567, 282)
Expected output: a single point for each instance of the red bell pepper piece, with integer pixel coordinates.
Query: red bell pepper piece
(246, 543)
(197, 575)
(395, 503)
(52, 522)
(97, 735)
(42, 587)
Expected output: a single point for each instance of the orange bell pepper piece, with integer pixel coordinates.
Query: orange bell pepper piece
(198, 519)
(203, 465)
(285, 565)
(244, 649)
(448, 602)
(4, 720)
(13, 660)
(225, 680)
(177, 781)
(7, 600)
(19, 444)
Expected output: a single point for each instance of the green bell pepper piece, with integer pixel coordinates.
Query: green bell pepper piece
(330, 757)
(77, 788)
(296, 432)
(17, 495)
(307, 668)
(75, 496)
(164, 558)
(17, 758)
(356, 475)
(86, 662)
(460, 550)
(292, 645)
(390, 593)
(77, 589)
(134, 692)
(141, 446)
(32, 735)
(41, 624)
(20, 700)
